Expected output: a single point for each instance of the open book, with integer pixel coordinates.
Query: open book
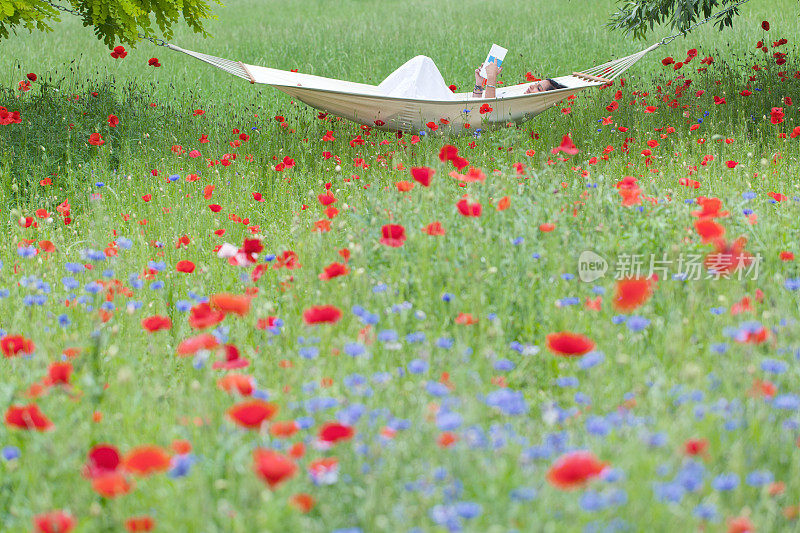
(496, 55)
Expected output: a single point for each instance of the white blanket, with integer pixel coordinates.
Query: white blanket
(417, 78)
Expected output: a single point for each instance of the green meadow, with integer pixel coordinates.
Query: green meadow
(445, 369)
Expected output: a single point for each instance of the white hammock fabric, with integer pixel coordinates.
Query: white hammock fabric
(367, 104)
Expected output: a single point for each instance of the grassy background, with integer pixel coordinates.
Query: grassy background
(154, 397)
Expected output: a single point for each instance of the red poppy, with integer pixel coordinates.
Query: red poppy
(153, 62)
(146, 460)
(393, 235)
(118, 52)
(569, 344)
(233, 359)
(102, 459)
(710, 208)
(111, 485)
(32, 76)
(230, 303)
(95, 139)
(322, 314)
(731, 164)
(776, 115)
(185, 266)
(448, 153)
(273, 467)
(404, 186)
(695, 446)
(708, 229)
(27, 417)
(742, 524)
(765, 25)
(237, 383)
(113, 121)
(135, 524)
(190, 346)
(252, 413)
(485, 108)
(156, 323)
(566, 146)
(58, 373)
(778, 197)
(14, 345)
(283, 430)
(469, 209)
(631, 293)
(202, 316)
(572, 470)
(304, 502)
(333, 432)
(422, 175)
(9, 117)
(446, 439)
(53, 522)
(434, 228)
(326, 199)
(334, 270)
(728, 257)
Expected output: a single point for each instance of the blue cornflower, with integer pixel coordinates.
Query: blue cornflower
(637, 323)
(354, 349)
(10, 453)
(725, 482)
(706, 511)
(448, 420)
(788, 402)
(308, 352)
(445, 342)
(504, 365)
(792, 284)
(507, 401)
(523, 494)
(758, 478)
(435, 388)
(387, 335)
(417, 366)
(591, 359)
(773, 366)
(567, 381)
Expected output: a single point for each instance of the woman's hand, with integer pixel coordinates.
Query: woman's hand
(478, 78)
(492, 72)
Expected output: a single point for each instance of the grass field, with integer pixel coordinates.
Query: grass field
(442, 397)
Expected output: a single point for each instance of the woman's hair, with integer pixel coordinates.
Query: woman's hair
(555, 84)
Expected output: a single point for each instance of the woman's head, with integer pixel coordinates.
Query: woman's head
(544, 85)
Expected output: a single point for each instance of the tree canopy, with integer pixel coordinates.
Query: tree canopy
(113, 21)
(640, 16)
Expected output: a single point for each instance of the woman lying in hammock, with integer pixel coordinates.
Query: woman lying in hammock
(419, 78)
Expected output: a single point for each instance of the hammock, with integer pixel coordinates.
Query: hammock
(366, 104)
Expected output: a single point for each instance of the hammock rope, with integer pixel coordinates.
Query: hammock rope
(366, 104)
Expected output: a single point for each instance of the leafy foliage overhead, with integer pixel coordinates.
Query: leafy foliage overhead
(114, 21)
(640, 16)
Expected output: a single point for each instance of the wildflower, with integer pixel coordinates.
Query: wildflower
(574, 470)
(569, 344)
(273, 467)
(393, 235)
(251, 414)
